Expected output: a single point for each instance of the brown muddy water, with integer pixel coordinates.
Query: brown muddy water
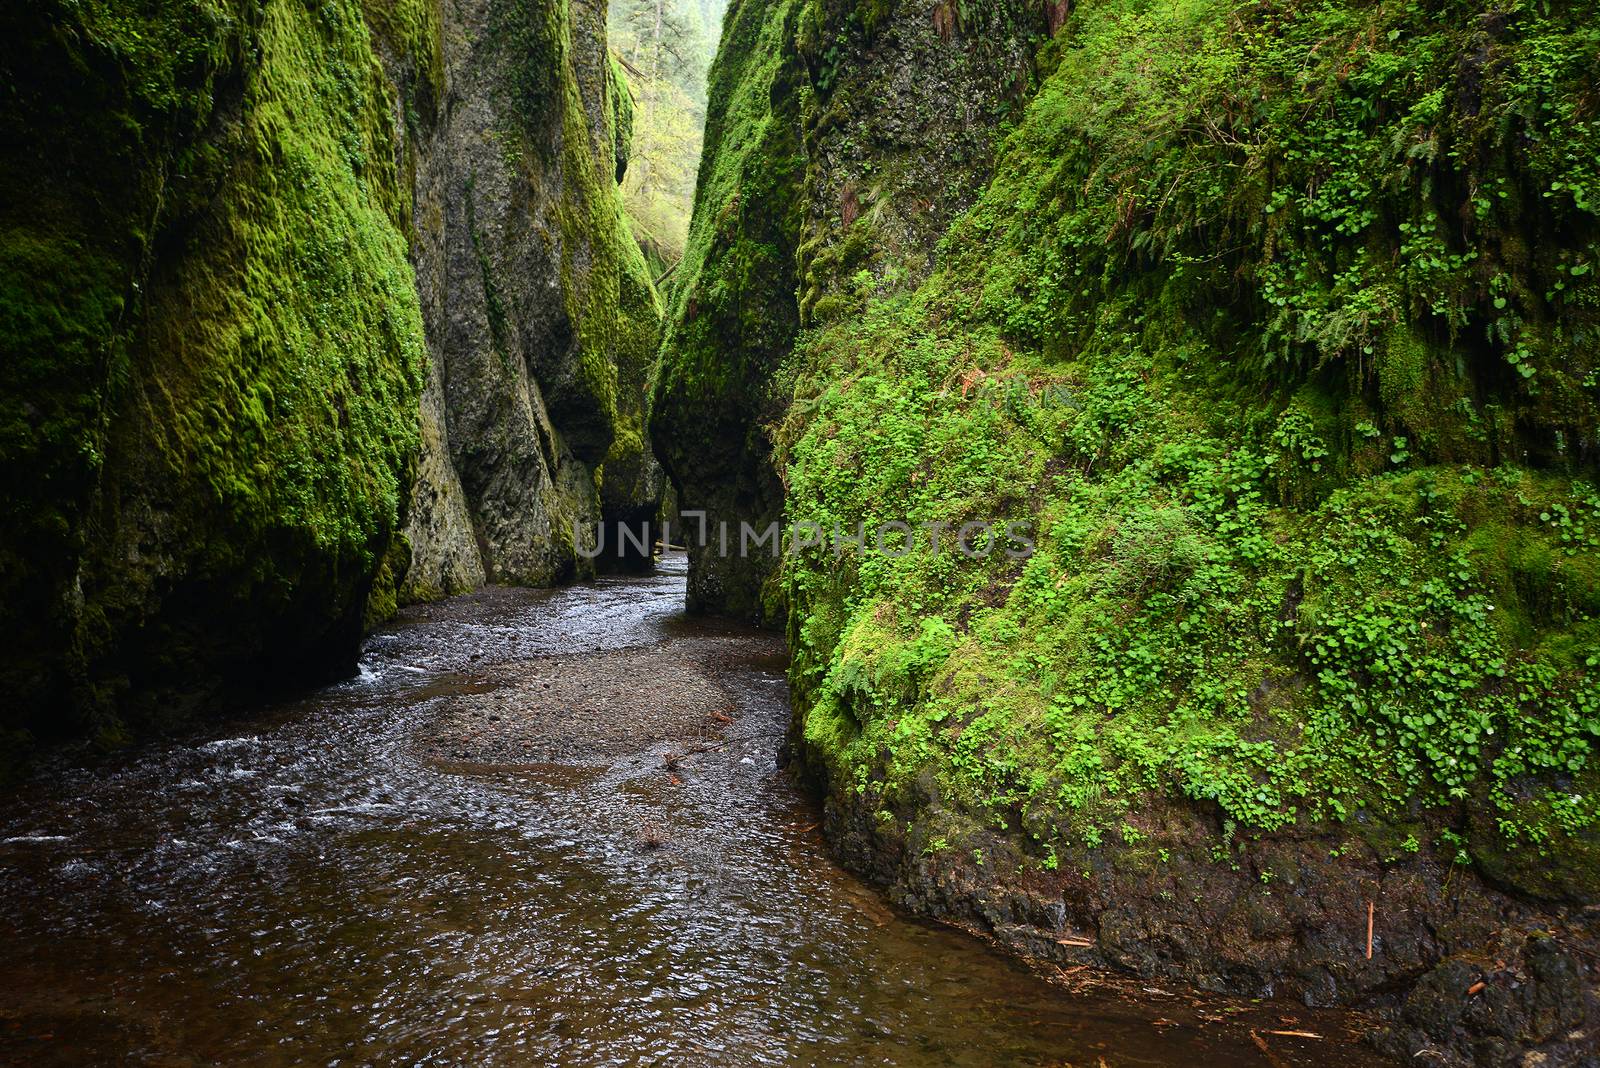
(423, 866)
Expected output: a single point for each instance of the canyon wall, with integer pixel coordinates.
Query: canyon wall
(540, 316)
(840, 140)
(306, 305)
(1272, 333)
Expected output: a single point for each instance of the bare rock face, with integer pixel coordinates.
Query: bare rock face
(540, 315)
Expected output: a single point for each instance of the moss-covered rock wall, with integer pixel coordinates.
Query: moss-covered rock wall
(214, 349)
(841, 139)
(279, 281)
(542, 319)
(734, 312)
(1273, 332)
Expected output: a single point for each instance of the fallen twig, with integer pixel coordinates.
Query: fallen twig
(1372, 909)
(1266, 1051)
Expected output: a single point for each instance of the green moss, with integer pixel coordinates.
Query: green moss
(1402, 373)
(413, 28)
(383, 602)
(594, 245)
(248, 363)
(95, 90)
(732, 302)
(1315, 533)
(628, 466)
(621, 114)
(733, 312)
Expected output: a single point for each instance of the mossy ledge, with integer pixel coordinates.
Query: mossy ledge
(1277, 327)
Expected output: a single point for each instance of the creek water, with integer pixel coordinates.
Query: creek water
(307, 885)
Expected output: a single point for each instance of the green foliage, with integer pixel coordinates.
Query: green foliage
(1309, 542)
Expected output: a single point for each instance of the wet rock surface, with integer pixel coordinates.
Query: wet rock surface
(1458, 973)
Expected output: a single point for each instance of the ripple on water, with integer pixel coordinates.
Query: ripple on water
(317, 889)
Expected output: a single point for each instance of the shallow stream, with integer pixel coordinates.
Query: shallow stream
(318, 885)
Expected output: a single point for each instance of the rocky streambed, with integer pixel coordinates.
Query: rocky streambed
(540, 828)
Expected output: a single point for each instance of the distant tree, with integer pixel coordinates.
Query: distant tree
(666, 47)
(661, 41)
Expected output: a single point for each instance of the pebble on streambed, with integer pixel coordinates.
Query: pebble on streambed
(581, 710)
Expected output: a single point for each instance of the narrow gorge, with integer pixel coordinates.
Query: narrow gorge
(308, 307)
(1135, 463)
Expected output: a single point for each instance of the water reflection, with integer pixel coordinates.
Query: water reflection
(312, 888)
